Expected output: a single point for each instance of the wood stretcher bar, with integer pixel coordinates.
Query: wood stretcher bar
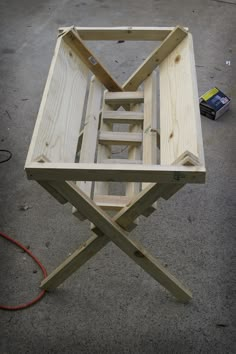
(122, 33)
(115, 173)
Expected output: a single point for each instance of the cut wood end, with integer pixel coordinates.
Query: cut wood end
(184, 29)
(65, 30)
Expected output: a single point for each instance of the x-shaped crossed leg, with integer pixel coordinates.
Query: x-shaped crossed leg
(113, 229)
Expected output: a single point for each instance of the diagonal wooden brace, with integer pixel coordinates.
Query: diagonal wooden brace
(116, 234)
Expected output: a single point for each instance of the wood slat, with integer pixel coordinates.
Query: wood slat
(116, 172)
(120, 98)
(123, 117)
(122, 161)
(103, 153)
(111, 202)
(119, 138)
(154, 59)
(74, 41)
(134, 152)
(59, 118)
(179, 108)
(90, 132)
(149, 127)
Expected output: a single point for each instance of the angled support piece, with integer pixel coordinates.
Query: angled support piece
(72, 38)
(154, 59)
(47, 186)
(86, 251)
(112, 230)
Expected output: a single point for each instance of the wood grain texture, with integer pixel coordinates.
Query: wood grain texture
(123, 117)
(116, 172)
(122, 33)
(149, 128)
(150, 120)
(58, 123)
(90, 132)
(116, 234)
(122, 161)
(120, 98)
(103, 151)
(85, 54)
(86, 251)
(120, 138)
(179, 107)
(154, 59)
(111, 202)
(134, 151)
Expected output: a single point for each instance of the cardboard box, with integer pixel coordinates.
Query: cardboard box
(214, 103)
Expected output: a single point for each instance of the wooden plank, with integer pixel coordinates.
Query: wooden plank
(103, 153)
(179, 106)
(122, 161)
(123, 117)
(74, 41)
(48, 187)
(59, 118)
(111, 202)
(150, 120)
(117, 172)
(132, 248)
(149, 127)
(86, 251)
(120, 98)
(134, 152)
(200, 156)
(52, 191)
(119, 138)
(154, 59)
(90, 131)
(122, 33)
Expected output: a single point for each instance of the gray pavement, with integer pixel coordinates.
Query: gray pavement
(110, 305)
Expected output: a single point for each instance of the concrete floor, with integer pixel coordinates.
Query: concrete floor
(111, 305)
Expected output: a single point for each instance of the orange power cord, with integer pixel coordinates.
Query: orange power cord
(42, 293)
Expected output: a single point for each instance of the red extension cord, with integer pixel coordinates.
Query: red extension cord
(39, 297)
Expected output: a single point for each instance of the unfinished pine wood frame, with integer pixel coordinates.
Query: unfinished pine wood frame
(72, 155)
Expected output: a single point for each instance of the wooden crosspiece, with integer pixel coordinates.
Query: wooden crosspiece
(72, 156)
